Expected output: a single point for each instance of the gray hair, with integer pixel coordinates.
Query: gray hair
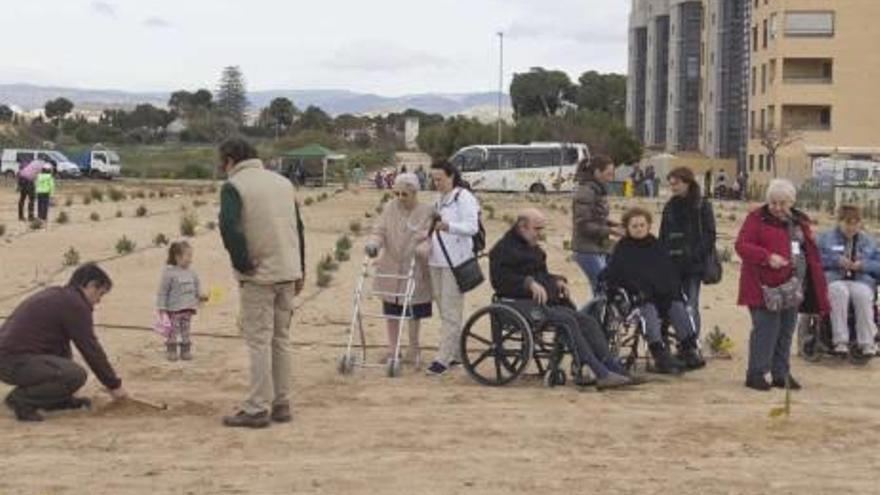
(781, 189)
(408, 180)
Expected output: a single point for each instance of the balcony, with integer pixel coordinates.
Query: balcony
(808, 71)
(806, 117)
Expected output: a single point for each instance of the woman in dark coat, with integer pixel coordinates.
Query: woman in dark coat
(641, 265)
(777, 247)
(688, 232)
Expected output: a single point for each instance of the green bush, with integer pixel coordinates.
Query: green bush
(188, 223)
(36, 224)
(327, 264)
(355, 227)
(62, 218)
(68, 202)
(87, 200)
(490, 211)
(323, 278)
(341, 255)
(141, 211)
(116, 195)
(386, 197)
(95, 217)
(160, 240)
(343, 243)
(139, 195)
(309, 201)
(125, 245)
(96, 194)
(71, 257)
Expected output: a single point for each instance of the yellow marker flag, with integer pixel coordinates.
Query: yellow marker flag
(215, 294)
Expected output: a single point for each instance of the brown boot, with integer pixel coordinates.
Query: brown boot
(245, 420)
(171, 352)
(281, 413)
(186, 352)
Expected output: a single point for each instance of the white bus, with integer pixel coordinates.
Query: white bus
(536, 167)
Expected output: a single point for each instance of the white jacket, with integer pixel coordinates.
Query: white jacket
(460, 209)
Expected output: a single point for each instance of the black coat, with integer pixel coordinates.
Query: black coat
(513, 263)
(644, 267)
(687, 230)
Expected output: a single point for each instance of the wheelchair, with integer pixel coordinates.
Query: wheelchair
(500, 341)
(815, 337)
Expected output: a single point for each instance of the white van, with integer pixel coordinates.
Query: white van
(11, 159)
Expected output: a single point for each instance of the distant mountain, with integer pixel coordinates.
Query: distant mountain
(334, 102)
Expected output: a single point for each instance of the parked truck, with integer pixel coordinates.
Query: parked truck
(99, 162)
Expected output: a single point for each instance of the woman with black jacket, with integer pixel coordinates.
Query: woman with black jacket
(688, 232)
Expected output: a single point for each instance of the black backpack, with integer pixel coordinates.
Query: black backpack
(479, 239)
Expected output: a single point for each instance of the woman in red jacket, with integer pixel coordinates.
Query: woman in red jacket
(780, 266)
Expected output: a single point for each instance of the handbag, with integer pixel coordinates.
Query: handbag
(713, 271)
(468, 275)
(789, 295)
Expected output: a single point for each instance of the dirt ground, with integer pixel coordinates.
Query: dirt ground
(703, 433)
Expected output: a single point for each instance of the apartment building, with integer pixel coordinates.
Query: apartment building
(814, 68)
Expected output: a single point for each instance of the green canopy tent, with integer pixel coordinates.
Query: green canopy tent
(314, 160)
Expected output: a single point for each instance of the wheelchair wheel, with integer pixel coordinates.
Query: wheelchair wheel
(808, 338)
(496, 345)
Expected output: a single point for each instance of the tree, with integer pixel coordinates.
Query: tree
(280, 115)
(232, 95)
(540, 92)
(315, 119)
(773, 139)
(57, 109)
(6, 114)
(602, 93)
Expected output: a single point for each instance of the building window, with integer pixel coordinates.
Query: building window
(772, 71)
(761, 163)
(755, 38)
(806, 117)
(754, 80)
(774, 27)
(712, 59)
(765, 33)
(756, 4)
(771, 116)
(763, 120)
(763, 78)
(752, 123)
(809, 24)
(751, 163)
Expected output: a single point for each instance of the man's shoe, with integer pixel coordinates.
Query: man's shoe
(758, 383)
(869, 350)
(23, 412)
(281, 413)
(171, 352)
(74, 403)
(186, 352)
(436, 369)
(454, 363)
(664, 364)
(245, 420)
(692, 359)
(613, 380)
(841, 349)
(792, 383)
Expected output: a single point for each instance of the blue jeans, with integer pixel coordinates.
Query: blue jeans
(770, 342)
(691, 286)
(678, 318)
(592, 265)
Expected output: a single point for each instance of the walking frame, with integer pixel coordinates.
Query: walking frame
(350, 360)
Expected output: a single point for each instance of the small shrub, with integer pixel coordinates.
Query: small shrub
(62, 218)
(327, 264)
(125, 245)
(118, 213)
(36, 224)
(508, 219)
(212, 189)
(160, 240)
(323, 279)
(490, 211)
(87, 200)
(95, 217)
(162, 194)
(141, 211)
(71, 257)
(68, 202)
(341, 255)
(379, 210)
(719, 344)
(566, 244)
(139, 195)
(116, 195)
(725, 255)
(96, 194)
(2, 229)
(323, 196)
(212, 225)
(188, 223)
(343, 243)
(309, 201)
(355, 227)
(152, 194)
(198, 203)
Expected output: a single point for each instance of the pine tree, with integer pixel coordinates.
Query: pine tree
(232, 94)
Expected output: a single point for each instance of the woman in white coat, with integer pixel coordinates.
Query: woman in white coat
(456, 221)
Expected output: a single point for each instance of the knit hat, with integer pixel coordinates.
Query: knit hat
(408, 180)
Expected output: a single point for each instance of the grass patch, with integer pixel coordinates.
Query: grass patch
(160, 240)
(71, 257)
(95, 217)
(62, 218)
(188, 223)
(125, 246)
(141, 211)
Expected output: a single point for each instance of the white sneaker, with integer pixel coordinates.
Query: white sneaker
(869, 350)
(841, 349)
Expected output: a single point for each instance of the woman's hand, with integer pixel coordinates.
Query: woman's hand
(776, 262)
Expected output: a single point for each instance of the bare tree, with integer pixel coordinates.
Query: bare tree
(773, 139)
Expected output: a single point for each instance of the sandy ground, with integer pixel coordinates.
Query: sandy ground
(700, 434)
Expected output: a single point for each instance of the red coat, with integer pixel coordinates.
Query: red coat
(762, 235)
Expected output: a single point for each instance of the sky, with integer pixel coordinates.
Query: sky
(387, 47)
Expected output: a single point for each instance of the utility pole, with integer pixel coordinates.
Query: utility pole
(500, 80)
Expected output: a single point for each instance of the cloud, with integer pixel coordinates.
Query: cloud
(156, 22)
(575, 32)
(603, 23)
(104, 8)
(382, 55)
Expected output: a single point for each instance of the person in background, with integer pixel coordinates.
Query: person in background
(638, 178)
(852, 263)
(178, 299)
(26, 189)
(379, 180)
(518, 270)
(422, 176)
(357, 175)
(263, 234)
(687, 230)
(456, 221)
(399, 230)
(45, 186)
(650, 181)
(592, 229)
(641, 265)
(778, 252)
(35, 353)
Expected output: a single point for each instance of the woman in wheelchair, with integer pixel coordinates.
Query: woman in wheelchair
(518, 270)
(642, 266)
(851, 262)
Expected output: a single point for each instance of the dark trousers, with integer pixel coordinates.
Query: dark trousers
(26, 195)
(40, 380)
(43, 206)
(770, 342)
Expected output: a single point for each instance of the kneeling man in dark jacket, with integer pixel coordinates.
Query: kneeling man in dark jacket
(518, 270)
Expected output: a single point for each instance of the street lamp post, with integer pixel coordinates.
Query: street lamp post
(500, 80)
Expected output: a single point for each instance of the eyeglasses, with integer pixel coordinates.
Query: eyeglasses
(401, 194)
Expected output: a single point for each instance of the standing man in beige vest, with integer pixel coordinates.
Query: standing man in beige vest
(263, 233)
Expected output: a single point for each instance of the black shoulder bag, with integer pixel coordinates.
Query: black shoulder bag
(712, 269)
(468, 275)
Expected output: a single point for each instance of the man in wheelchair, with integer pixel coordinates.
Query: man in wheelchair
(851, 262)
(518, 270)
